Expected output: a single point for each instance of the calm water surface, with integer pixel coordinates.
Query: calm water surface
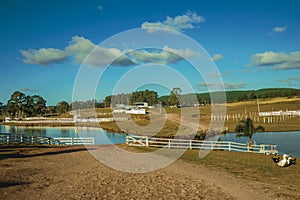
(101, 136)
(287, 142)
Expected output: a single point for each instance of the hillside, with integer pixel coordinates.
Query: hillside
(244, 95)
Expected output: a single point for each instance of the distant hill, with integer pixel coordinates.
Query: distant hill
(243, 95)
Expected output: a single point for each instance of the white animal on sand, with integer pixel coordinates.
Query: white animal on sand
(283, 162)
(289, 160)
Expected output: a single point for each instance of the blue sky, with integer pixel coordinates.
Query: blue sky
(255, 44)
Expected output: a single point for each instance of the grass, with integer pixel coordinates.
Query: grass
(170, 128)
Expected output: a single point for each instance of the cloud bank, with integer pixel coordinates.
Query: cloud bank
(277, 61)
(165, 56)
(28, 90)
(44, 56)
(292, 82)
(84, 50)
(279, 29)
(218, 86)
(178, 23)
(217, 57)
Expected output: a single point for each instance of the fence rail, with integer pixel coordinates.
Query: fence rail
(28, 139)
(199, 144)
(76, 141)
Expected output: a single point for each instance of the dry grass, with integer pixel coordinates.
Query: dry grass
(247, 107)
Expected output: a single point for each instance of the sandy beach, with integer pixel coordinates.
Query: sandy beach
(45, 172)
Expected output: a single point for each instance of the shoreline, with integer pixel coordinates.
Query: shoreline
(116, 130)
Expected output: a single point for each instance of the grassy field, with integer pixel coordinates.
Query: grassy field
(242, 108)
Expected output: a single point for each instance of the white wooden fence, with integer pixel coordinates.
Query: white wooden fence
(199, 144)
(28, 139)
(76, 141)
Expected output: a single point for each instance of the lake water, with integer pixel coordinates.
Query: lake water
(101, 136)
(287, 142)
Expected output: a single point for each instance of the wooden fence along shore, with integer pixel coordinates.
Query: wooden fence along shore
(145, 141)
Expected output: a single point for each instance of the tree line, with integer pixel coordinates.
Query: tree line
(151, 97)
(20, 105)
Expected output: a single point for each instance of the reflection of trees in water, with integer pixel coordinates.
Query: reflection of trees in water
(35, 131)
(13, 129)
(65, 132)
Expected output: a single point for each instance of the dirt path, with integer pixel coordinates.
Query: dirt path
(72, 173)
(190, 123)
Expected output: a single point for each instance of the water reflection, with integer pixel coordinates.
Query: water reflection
(101, 136)
(287, 142)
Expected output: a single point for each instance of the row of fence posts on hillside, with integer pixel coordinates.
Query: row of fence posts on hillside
(236, 117)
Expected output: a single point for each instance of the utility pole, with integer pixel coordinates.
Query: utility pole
(258, 109)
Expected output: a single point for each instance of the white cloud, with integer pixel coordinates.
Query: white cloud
(178, 23)
(217, 57)
(79, 47)
(219, 86)
(234, 86)
(44, 56)
(28, 90)
(278, 61)
(103, 56)
(165, 56)
(279, 29)
(294, 81)
(84, 50)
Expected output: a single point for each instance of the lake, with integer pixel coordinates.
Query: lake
(287, 142)
(101, 136)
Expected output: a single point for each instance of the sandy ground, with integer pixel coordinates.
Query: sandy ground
(73, 173)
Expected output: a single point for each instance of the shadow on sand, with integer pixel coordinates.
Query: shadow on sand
(4, 184)
(23, 151)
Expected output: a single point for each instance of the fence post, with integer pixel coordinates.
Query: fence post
(7, 139)
(72, 141)
(169, 144)
(147, 142)
(229, 148)
(190, 144)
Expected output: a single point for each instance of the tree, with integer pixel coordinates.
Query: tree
(107, 101)
(246, 128)
(174, 98)
(16, 104)
(39, 105)
(62, 107)
(1, 111)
